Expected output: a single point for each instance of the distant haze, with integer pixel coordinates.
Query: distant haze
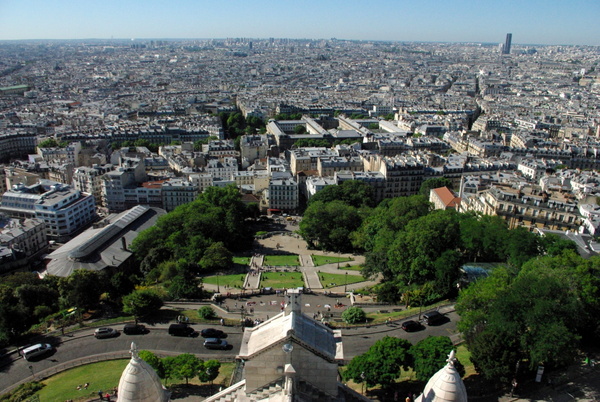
(573, 22)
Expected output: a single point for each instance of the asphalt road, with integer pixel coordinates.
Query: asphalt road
(83, 346)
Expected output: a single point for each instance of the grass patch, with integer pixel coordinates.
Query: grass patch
(102, 376)
(330, 280)
(105, 376)
(278, 260)
(241, 260)
(327, 259)
(280, 280)
(232, 281)
(464, 356)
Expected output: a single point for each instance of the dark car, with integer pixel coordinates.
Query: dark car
(433, 317)
(216, 343)
(102, 333)
(181, 330)
(134, 329)
(212, 333)
(411, 326)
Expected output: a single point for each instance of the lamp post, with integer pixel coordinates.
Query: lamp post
(345, 282)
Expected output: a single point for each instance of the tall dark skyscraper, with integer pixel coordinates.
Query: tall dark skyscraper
(506, 48)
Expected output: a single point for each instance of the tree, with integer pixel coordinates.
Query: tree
(206, 313)
(141, 303)
(329, 225)
(533, 316)
(354, 315)
(299, 129)
(184, 287)
(381, 364)
(216, 258)
(187, 366)
(210, 371)
(49, 143)
(352, 192)
(430, 355)
(81, 289)
(432, 183)
(154, 361)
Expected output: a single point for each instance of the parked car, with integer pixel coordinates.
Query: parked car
(433, 317)
(134, 329)
(216, 343)
(36, 350)
(181, 330)
(101, 333)
(411, 326)
(212, 333)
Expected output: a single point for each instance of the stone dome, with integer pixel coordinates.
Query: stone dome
(445, 385)
(140, 383)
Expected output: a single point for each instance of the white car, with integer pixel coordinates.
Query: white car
(100, 333)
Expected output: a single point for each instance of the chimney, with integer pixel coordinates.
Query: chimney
(123, 243)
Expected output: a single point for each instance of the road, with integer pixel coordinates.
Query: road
(83, 346)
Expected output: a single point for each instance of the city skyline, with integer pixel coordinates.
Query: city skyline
(530, 22)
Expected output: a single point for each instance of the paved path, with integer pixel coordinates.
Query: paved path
(279, 243)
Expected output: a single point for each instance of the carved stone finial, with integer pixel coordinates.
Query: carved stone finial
(451, 358)
(134, 351)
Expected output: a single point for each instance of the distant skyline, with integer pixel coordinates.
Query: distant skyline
(559, 22)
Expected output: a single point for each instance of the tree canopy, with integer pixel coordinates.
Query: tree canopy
(381, 364)
(435, 182)
(352, 192)
(538, 314)
(188, 232)
(430, 355)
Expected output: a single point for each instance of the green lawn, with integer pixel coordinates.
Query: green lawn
(330, 280)
(232, 281)
(328, 259)
(241, 260)
(101, 376)
(104, 376)
(278, 260)
(280, 280)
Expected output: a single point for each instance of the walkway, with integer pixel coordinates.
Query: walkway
(292, 244)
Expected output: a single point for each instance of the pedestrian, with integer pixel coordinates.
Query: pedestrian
(222, 322)
(100, 394)
(514, 386)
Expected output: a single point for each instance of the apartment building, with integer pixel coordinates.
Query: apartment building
(283, 194)
(253, 147)
(328, 166)
(17, 143)
(63, 210)
(222, 169)
(176, 192)
(89, 180)
(527, 206)
(20, 240)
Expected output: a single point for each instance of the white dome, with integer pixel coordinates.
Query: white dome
(140, 383)
(445, 385)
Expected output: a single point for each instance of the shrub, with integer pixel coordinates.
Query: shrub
(354, 315)
(206, 313)
(23, 392)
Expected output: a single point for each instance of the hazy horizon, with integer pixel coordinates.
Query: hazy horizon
(550, 22)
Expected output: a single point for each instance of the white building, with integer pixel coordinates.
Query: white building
(176, 192)
(283, 195)
(63, 209)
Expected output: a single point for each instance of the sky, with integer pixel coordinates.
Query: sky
(559, 22)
